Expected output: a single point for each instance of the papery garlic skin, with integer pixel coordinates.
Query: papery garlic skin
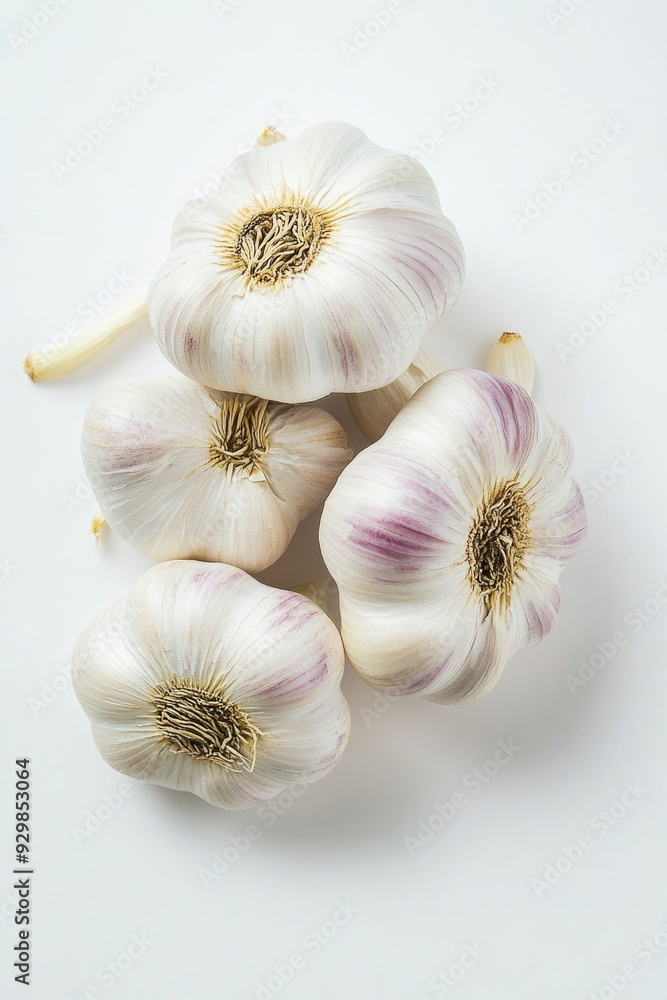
(512, 358)
(58, 360)
(446, 538)
(317, 268)
(182, 473)
(206, 681)
(373, 411)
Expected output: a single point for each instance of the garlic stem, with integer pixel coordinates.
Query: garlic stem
(268, 137)
(97, 524)
(512, 358)
(55, 361)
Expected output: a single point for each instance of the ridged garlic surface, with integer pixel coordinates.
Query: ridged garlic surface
(373, 411)
(447, 537)
(206, 681)
(512, 358)
(182, 473)
(317, 268)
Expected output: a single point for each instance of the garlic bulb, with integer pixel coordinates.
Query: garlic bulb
(446, 538)
(373, 411)
(206, 681)
(182, 473)
(512, 358)
(316, 269)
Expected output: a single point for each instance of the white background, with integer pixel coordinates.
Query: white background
(477, 882)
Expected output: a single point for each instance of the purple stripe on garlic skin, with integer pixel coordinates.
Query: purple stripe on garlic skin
(205, 680)
(447, 537)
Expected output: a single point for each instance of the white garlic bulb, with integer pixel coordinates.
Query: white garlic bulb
(206, 681)
(317, 268)
(512, 358)
(374, 410)
(446, 538)
(182, 473)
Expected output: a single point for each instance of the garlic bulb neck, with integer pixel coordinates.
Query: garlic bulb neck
(497, 543)
(56, 361)
(512, 358)
(239, 438)
(97, 523)
(205, 725)
(269, 137)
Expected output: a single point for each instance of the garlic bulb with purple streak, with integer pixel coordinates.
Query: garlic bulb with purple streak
(447, 537)
(317, 267)
(183, 473)
(206, 681)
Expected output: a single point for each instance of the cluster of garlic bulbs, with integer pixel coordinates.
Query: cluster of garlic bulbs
(318, 267)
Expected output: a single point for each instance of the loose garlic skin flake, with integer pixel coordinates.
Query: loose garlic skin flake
(317, 268)
(182, 473)
(206, 681)
(447, 537)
